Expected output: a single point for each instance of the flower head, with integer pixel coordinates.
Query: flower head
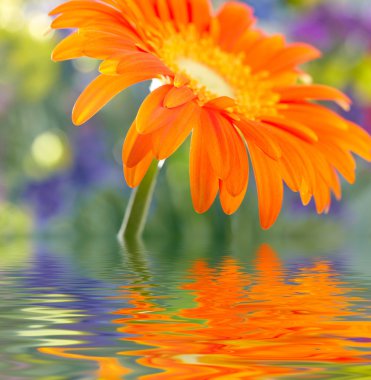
(234, 89)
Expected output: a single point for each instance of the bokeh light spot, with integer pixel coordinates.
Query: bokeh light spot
(48, 150)
(38, 26)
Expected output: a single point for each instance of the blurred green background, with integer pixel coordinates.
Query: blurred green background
(56, 179)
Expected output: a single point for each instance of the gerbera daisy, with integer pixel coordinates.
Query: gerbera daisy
(235, 90)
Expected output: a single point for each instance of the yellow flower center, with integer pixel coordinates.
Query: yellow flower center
(213, 73)
(206, 77)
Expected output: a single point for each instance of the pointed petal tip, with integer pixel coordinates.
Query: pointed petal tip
(229, 211)
(200, 209)
(267, 223)
(57, 56)
(312, 51)
(316, 52)
(53, 56)
(266, 226)
(77, 118)
(77, 123)
(345, 105)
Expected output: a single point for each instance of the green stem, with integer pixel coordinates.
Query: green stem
(137, 210)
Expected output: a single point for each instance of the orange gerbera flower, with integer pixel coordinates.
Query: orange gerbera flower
(233, 88)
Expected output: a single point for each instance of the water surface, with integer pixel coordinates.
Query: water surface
(111, 312)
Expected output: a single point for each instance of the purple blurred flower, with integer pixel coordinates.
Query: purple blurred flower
(90, 164)
(47, 197)
(328, 25)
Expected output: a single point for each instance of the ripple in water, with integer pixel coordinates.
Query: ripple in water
(146, 318)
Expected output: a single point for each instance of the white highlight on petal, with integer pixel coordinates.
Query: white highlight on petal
(155, 84)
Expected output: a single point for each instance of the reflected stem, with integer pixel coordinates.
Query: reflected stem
(137, 210)
(135, 252)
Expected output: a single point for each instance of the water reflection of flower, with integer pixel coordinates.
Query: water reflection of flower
(241, 325)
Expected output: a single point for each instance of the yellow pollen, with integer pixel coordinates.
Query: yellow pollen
(213, 72)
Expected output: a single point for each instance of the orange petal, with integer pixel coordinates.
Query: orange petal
(135, 147)
(102, 26)
(126, 60)
(293, 170)
(256, 133)
(248, 40)
(152, 109)
(132, 11)
(342, 160)
(109, 66)
(359, 141)
(81, 5)
(218, 132)
(325, 178)
(204, 183)
(103, 46)
(179, 11)
(284, 78)
(313, 116)
(200, 13)
(263, 51)
(234, 18)
(292, 56)
(101, 91)
(238, 178)
(289, 173)
(295, 164)
(143, 62)
(166, 140)
(299, 130)
(135, 174)
(163, 10)
(178, 96)
(336, 185)
(69, 48)
(84, 19)
(354, 139)
(323, 166)
(269, 186)
(221, 103)
(180, 80)
(314, 92)
(230, 203)
(305, 197)
(322, 196)
(147, 8)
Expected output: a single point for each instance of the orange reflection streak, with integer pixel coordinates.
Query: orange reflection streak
(243, 323)
(239, 325)
(109, 368)
(298, 320)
